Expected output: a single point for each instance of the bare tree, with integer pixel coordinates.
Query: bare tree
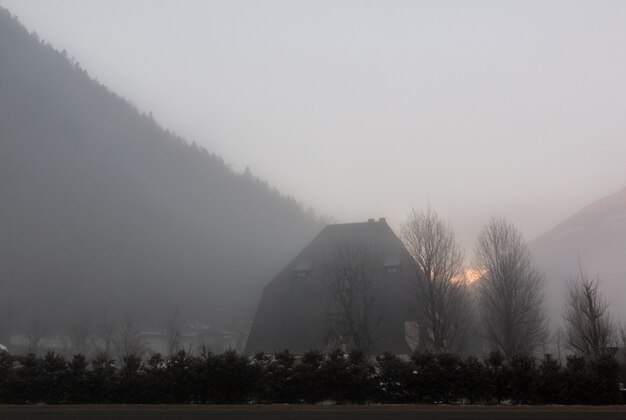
(36, 332)
(106, 331)
(622, 349)
(174, 332)
(80, 333)
(127, 339)
(589, 329)
(350, 272)
(6, 312)
(510, 292)
(559, 338)
(6, 316)
(442, 301)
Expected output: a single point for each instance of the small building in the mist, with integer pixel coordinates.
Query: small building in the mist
(193, 338)
(296, 309)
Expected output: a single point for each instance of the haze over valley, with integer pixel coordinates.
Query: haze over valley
(103, 209)
(164, 161)
(483, 108)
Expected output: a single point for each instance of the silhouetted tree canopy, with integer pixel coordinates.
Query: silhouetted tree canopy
(230, 378)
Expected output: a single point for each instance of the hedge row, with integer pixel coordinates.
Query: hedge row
(283, 378)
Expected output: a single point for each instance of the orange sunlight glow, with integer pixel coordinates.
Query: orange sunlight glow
(470, 275)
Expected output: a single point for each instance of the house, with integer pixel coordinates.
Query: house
(297, 308)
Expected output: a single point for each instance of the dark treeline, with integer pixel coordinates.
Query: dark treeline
(102, 207)
(345, 378)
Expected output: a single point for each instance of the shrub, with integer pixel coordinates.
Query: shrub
(392, 379)
(231, 378)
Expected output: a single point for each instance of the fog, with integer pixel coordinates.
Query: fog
(163, 161)
(364, 109)
(106, 218)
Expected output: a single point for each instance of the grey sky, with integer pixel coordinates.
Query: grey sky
(364, 109)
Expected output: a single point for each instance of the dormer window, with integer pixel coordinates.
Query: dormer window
(391, 264)
(302, 269)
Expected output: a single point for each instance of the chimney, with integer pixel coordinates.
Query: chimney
(382, 219)
(371, 220)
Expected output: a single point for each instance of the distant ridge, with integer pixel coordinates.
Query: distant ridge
(614, 204)
(100, 207)
(595, 235)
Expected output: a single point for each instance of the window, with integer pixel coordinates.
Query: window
(391, 264)
(302, 269)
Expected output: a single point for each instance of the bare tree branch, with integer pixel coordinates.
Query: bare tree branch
(353, 286)
(80, 333)
(106, 330)
(174, 332)
(510, 292)
(127, 340)
(37, 330)
(442, 301)
(589, 329)
(6, 312)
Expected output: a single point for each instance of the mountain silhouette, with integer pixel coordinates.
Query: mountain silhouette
(101, 207)
(596, 237)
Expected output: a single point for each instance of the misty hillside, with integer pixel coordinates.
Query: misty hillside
(596, 235)
(102, 207)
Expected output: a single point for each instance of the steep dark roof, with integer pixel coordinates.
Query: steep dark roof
(292, 311)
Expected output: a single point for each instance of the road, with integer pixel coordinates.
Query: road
(284, 412)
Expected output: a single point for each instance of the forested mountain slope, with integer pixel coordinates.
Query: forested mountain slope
(102, 207)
